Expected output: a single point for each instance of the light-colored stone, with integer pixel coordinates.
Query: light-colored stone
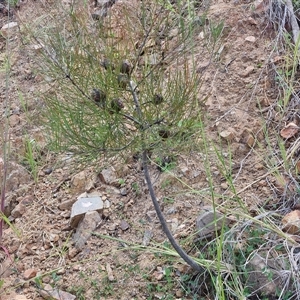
(147, 237)
(9, 29)
(106, 204)
(184, 170)
(247, 138)
(29, 273)
(46, 279)
(48, 292)
(37, 47)
(61, 271)
(73, 252)
(108, 176)
(124, 225)
(247, 71)
(20, 297)
(78, 181)
(261, 6)
(90, 184)
(109, 271)
(250, 141)
(158, 274)
(224, 185)
(174, 225)
(210, 221)
(250, 39)
(123, 191)
(53, 237)
(85, 228)
(19, 210)
(201, 35)
(227, 135)
(67, 204)
(17, 175)
(14, 120)
(291, 222)
(84, 205)
(171, 210)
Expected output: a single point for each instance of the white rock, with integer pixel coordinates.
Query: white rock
(250, 39)
(110, 274)
(85, 228)
(227, 135)
(201, 35)
(209, 222)
(9, 29)
(48, 292)
(84, 205)
(108, 176)
(78, 181)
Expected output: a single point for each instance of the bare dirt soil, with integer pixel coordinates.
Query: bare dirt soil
(238, 83)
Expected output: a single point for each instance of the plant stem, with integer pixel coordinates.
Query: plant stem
(161, 218)
(163, 223)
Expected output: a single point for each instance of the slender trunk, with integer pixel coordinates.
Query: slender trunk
(162, 220)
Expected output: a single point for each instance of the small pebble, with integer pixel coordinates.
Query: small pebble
(147, 237)
(171, 210)
(61, 271)
(123, 192)
(124, 225)
(48, 171)
(224, 185)
(29, 273)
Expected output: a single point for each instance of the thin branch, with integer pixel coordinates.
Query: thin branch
(136, 101)
(161, 218)
(163, 223)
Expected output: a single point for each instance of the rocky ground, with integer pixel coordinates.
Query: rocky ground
(241, 91)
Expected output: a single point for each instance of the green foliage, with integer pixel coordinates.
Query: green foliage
(78, 291)
(164, 286)
(10, 224)
(1, 283)
(165, 163)
(13, 3)
(98, 287)
(121, 182)
(127, 89)
(296, 4)
(91, 108)
(31, 157)
(168, 200)
(55, 277)
(136, 188)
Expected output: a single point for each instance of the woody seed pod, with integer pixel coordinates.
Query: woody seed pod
(126, 67)
(164, 133)
(107, 64)
(99, 97)
(116, 105)
(158, 99)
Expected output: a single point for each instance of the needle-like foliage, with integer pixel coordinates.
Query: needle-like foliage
(126, 82)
